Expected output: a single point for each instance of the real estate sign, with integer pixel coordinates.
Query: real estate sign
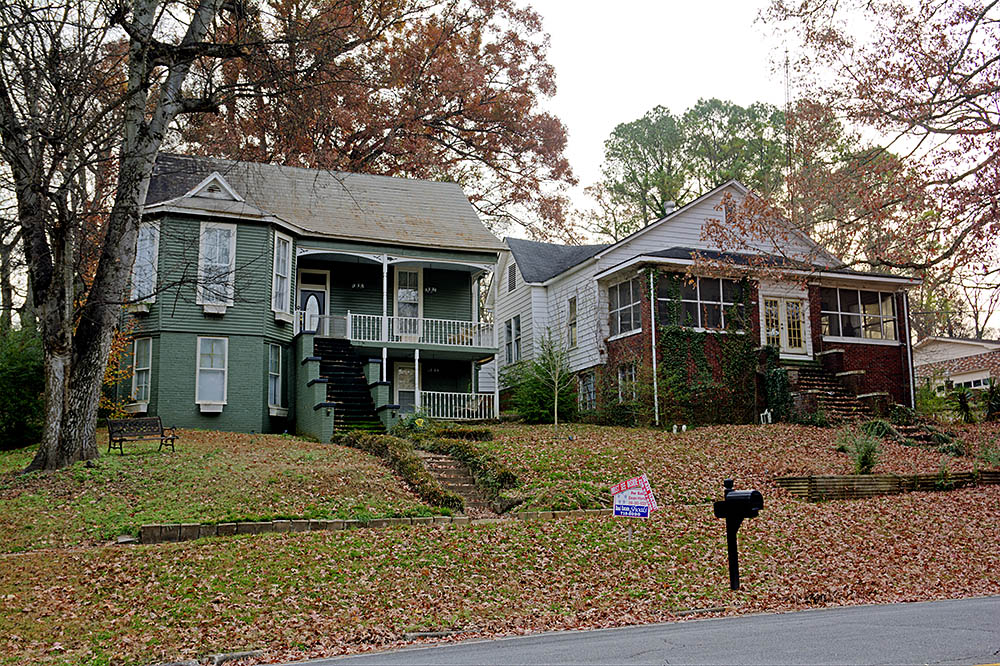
(634, 498)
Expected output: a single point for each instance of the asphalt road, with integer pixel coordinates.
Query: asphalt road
(965, 631)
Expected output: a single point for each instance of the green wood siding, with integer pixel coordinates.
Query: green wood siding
(453, 296)
(174, 384)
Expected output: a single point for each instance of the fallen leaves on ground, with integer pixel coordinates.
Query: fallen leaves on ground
(561, 470)
(325, 593)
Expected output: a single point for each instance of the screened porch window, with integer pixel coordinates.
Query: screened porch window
(625, 307)
(708, 303)
(855, 313)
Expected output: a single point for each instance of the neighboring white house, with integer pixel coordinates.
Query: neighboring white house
(968, 362)
(596, 298)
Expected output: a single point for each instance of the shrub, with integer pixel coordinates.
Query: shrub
(882, 429)
(779, 393)
(944, 480)
(961, 401)
(901, 415)
(400, 456)
(929, 401)
(413, 423)
(991, 401)
(532, 394)
(22, 388)
(990, 454)
(457, 431)
(862, 448)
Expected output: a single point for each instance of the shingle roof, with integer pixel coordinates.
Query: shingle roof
(743, 259)
(539, 262)
(335, 204)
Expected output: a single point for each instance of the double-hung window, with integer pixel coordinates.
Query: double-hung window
(281, 282)
(854, 313)
(707, 303)
(627, 390)
(142, 363)
(213, 367)
(513, 339)
(144, 267)
(571, 322)
(217, 264)
(587, 391)
(274, 376)
(625, 307)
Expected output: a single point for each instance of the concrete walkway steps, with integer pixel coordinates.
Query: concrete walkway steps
(453, 475)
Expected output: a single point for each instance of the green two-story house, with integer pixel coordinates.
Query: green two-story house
(270, 299)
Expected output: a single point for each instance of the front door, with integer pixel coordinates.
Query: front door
(784, 324)
(406, 387)
(313, 291)
(407, 305)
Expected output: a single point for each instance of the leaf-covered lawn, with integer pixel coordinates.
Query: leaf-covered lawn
(322, 593)
(213, 477)
(559, 472)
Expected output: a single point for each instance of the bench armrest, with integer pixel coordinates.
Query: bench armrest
(170, 430)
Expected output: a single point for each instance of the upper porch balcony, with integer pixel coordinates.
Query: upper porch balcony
(378, 330)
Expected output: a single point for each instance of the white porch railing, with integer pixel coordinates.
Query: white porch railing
(457, 406)
(419, 330)
(415, 330)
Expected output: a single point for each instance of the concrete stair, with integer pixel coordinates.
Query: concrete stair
(455, 476)
(831, 397)
(346, 386)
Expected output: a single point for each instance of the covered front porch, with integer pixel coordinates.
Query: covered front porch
(414, 322)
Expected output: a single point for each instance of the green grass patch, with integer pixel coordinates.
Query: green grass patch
(213, 477)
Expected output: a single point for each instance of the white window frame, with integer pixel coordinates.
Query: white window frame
(635, 293)
(587, 391)
(211, 405)
(700, 303)
(420, 289)
(216, 307)
(275, 277)
(274, 404)
(624, 370)
(840, 313)
(572, 308)
(512, 342)
(134, 294)
(136, 369)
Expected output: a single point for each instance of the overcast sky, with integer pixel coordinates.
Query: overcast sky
(616, 60)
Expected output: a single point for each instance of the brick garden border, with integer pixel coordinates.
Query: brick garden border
(174, 532)
(856, 486)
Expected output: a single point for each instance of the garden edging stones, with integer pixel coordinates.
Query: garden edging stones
(172, 532)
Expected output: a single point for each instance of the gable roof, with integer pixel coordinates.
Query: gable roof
(330, 204)
(539, 261)
(978, 342)
(742, 189)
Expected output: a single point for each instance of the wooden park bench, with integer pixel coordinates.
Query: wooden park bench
(139, 429)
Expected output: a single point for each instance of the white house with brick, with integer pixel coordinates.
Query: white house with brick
(597, 298)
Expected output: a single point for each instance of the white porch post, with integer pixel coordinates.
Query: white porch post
(416, 379)
(385, 364)
(496, 388)
(652, 343)
(385, 298)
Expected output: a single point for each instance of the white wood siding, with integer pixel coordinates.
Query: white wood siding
(582, 285)
(943, 350)
(510, 304)
(687, 230)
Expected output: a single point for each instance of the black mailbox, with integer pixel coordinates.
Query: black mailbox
(736, 505)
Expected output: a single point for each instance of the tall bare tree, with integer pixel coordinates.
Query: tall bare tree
(89, 90)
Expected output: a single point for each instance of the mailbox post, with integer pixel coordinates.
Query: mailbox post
(735, 506)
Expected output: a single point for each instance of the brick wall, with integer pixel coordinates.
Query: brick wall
(886, 366)
(986, 361)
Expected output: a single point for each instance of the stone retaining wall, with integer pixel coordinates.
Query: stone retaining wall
(189, 531)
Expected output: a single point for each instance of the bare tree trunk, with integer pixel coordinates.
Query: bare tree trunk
(6, 285)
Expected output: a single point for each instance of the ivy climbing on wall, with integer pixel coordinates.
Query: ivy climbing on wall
(705, 376)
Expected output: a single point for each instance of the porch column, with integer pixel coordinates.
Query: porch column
(416, 379)
(385, 298)
(475, 299)
(652, 343)
(385, 364)
(496, 388)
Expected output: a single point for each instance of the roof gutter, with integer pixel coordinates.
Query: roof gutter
(645, 259)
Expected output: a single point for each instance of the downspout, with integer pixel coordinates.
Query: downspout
(652, 344)
(909, 349)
